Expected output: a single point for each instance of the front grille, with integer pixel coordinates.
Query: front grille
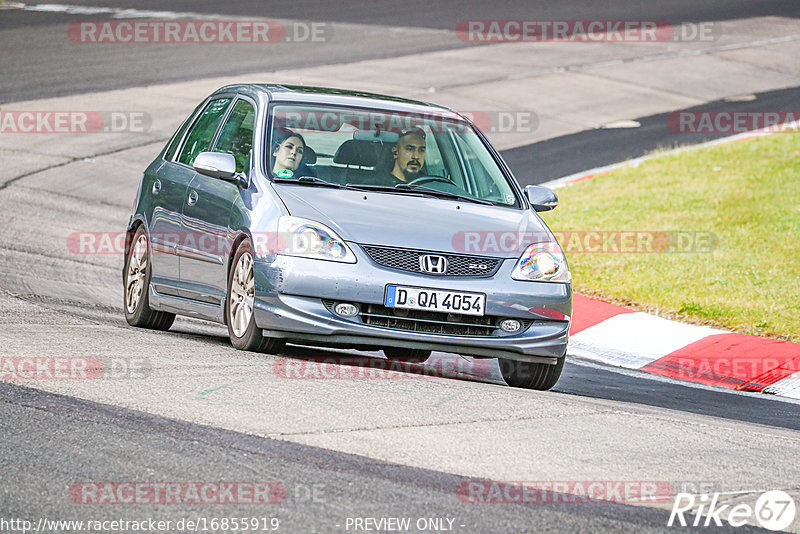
(431, 322)
(408, 260)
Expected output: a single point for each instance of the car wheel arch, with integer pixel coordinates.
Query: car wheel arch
(135, 224)
(232, 252)
(238, 240)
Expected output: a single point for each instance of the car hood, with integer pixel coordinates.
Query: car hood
(425, 223)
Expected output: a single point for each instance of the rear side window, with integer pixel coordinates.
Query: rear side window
(237, 135)
(199, 138)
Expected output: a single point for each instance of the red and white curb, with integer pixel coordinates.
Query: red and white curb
(625, 338)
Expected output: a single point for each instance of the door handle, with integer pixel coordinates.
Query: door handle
(192, 200)
(157, 187)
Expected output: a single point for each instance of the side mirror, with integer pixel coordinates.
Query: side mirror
(219, 165)
(541, 198)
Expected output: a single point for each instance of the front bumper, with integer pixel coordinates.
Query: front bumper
(289, 294)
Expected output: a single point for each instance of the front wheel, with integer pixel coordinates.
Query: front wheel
(137, 283)
(240, 306)
(540, 376)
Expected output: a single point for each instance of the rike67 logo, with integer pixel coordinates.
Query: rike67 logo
(774, 510)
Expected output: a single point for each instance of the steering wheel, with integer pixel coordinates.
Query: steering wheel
(429, 179)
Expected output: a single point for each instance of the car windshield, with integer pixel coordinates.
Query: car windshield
(404, 153)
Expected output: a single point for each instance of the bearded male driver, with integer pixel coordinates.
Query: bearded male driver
(409, 157)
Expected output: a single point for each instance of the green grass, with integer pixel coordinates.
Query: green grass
(745, 195)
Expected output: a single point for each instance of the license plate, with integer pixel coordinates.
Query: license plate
(419, 298)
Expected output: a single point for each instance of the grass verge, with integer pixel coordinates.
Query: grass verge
(738, 205)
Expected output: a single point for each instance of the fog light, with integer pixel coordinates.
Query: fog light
(510, 325)
(345, 309)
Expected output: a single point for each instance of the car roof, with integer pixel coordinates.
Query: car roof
(333, 96)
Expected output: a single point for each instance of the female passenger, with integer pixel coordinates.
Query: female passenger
(287, 151)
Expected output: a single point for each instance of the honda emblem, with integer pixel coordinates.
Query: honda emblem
(430, 263)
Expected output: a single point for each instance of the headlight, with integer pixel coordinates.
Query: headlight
(542, 262)
(309, 239)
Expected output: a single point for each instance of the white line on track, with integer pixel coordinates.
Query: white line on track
(123, 13)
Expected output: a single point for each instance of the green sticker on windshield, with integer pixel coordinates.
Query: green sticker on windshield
(285, 173)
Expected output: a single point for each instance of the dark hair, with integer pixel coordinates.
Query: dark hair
(411, 131)
(279, 136)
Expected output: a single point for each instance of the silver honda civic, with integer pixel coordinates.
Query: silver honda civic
(327, 217)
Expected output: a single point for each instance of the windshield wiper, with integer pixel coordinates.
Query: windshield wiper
(314, 181)
(419, 190)
(442, 194)
(308, 180)
(372, 187)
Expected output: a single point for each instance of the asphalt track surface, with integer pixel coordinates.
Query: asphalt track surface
(43, 66)
(99, 442)
(50, 440)
(570, 154)
(443, 15)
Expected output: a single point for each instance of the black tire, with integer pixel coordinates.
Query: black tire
(539, 376)
(407, 355)
(251, 338)
(140, 314)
